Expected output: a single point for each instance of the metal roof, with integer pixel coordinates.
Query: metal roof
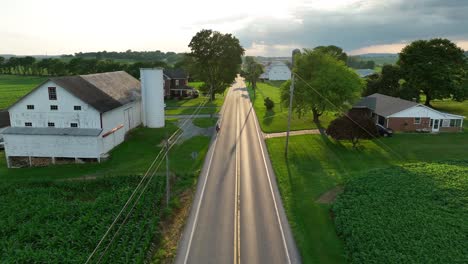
(175, 73)
(364, 72)
(46, 131)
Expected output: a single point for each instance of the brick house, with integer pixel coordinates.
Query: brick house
(408, 116)
(176, 83)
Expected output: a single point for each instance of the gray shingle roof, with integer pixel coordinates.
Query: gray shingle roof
(384, 105)
(52, 131)
(175, 73)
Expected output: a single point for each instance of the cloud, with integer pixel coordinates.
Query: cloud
(361, 24)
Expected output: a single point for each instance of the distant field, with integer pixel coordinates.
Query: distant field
(61, 212)
(317, 164)
(13, 87)
(381, 60)
(276, 120)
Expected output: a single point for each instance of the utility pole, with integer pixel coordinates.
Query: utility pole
(167, 173)
(291, 94)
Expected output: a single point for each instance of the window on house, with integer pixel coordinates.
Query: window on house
(458, 122)
(77, 107)
(28, 124)
(30, 107)
(73, 124)
(50, 124)
(52, 93)
(417, 120)
(54, 107)
(176, 82)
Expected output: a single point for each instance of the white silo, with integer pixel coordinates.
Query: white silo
(152, 97)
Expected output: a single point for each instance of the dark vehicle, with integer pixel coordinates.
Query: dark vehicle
(2, 144)
(383, 131)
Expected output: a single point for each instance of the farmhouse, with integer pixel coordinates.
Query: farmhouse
(277, 71)
(175, 83)
(403, 115)
(81, 118)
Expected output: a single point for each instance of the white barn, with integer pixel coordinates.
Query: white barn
(81, 117)
(277, 71)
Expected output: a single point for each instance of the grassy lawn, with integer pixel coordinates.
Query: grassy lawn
(62, 211)
(205, 122)
(453, 107)
(276, 120)
(13, 87)
(316, 165)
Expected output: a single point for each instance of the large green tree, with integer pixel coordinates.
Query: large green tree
(388, 82)
(334, 51)
(217, 58)
(434, 67)
(252, 71)
(322, 83)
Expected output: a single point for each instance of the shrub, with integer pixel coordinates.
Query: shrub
(353, 126)
(269, 104)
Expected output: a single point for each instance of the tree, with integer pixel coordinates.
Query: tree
(388, 82)
(353, 127)
(334, 51)
(322, 83)
(434, 67)
(217, 59)
(268, 103)
(252, 71)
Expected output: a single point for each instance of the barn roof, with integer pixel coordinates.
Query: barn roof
(384, 105)
(52, 131)
(103, 91)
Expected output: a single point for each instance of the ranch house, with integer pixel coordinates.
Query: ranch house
(408, 116)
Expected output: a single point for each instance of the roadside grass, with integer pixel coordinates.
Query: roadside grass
(317, 164)
(205, 122)
(276, 120)
(13, 87)
(59, 205)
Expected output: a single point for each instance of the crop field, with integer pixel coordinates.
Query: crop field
(13, 87)
(61, 212)
(276, 120)
(411, 214)
(317, 165)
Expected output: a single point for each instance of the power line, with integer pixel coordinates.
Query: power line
(198, 109)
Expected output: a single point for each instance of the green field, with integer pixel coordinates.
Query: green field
(411, 214)
(316, 165)
(13, 87)
(62, 211)
(276, 120)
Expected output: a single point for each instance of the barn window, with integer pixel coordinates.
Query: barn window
(73, 124)
(50, 124)
(417, 120)
(54, 107)
(28, 124)
(52, 93)
(30, 107)
(176, 82)
(77, 107)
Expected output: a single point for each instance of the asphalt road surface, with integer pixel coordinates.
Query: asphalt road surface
(237, 215)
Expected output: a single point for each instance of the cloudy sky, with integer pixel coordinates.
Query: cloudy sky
(264, 27)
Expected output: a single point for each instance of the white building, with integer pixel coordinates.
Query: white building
(81, 117)
(277, 71)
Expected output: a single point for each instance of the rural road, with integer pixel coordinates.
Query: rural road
(237, 215)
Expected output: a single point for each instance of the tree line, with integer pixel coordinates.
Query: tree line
(76, 66)
(143, 56)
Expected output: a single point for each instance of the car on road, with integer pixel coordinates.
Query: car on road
(383, 131)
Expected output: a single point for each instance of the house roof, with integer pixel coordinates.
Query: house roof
(384, 105)
(364, 72)
(52, 131)
(175, 74)
(103, 91)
